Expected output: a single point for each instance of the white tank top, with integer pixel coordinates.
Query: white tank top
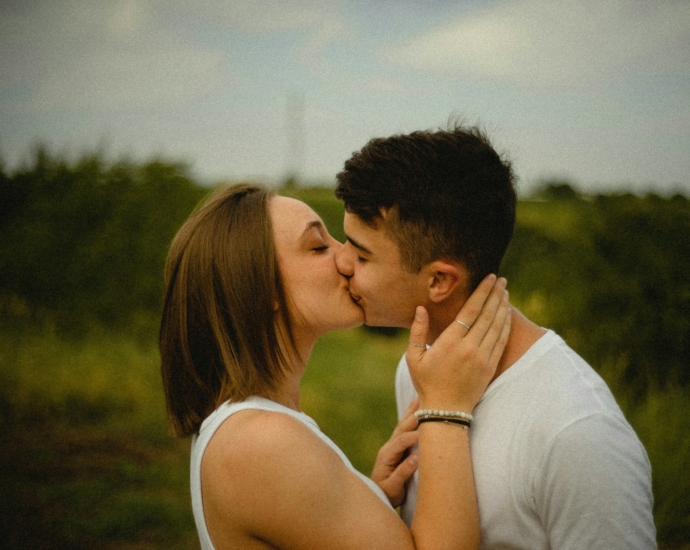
(213, 422)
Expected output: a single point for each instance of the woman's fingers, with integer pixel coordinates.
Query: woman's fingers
(407, 422)
(457, 368)
(395, 485)
(418, 335)
(473, 306)
(393, 468)
(492, 320)
(487, 315)
(504, 332)
(478, 312)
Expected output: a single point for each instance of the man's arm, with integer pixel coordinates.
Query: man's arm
(593, 489)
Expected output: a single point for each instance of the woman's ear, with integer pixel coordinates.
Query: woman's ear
(445, 278)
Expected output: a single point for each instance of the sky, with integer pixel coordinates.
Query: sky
(594, 92)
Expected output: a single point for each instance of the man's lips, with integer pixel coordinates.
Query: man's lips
(354, 297)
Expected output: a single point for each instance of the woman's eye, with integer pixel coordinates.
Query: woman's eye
(322, 248)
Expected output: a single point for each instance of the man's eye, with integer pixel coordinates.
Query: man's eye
(361, 260)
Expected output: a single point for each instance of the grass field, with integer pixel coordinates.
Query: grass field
(87, 462)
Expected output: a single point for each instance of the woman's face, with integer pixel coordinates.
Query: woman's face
(318, 294)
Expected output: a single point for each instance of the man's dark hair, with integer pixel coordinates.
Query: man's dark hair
(441, 195)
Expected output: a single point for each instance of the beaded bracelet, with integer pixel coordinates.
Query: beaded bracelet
(422, 413)
(446, 420)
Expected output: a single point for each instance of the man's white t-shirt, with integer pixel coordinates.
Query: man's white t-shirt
(555, 462)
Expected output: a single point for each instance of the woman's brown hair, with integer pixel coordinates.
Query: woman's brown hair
(219, 337)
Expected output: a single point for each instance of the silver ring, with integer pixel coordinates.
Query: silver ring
(417, 345)
(463, 324)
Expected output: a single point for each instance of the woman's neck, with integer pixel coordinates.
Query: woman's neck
(288, 391)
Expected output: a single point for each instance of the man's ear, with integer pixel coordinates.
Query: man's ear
(445, 278)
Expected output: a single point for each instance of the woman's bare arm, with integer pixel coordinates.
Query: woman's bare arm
(269, 482)
(452, 375)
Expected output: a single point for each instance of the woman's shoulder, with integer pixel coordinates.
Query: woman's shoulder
(268, 476)
(265, 464)
(252, 442)
(257, 433)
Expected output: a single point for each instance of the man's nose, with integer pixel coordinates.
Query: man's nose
(343, 260)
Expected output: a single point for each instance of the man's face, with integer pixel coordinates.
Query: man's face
(379, 284)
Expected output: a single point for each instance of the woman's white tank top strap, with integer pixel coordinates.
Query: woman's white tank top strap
(213, 422)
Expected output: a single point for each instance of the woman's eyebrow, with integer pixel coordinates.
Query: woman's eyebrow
(315, 224)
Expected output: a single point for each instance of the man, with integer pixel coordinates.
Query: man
(428, 216)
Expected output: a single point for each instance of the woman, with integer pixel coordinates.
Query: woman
(251, 284)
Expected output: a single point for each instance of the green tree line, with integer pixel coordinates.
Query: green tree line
(82, 249)
(609, 273)
(84, 243)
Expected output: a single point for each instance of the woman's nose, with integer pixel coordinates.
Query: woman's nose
(343, 260)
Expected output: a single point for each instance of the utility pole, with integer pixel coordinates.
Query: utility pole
(294, 135)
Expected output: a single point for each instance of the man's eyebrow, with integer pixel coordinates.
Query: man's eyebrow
(357, 245)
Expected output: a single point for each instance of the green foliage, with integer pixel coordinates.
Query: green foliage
(348, 389)
(86, 243)
(107, 475)
(642, 297)
(86, 452)
(85, 458)
(660, 422)
(557, 191)
(609, 274)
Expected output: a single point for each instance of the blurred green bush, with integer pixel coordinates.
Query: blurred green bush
(81, 262)
(85, 243)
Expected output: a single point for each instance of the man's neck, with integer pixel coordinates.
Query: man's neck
(523, 334)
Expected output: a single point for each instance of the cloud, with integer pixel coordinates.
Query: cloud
(76, 55)
(559, 43)
(392, 86)
(325, 32)
(128, 16)
(113, 80)
(258, 15)
(319, 20)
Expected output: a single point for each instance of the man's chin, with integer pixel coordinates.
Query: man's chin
(377, 323)
(373, 321)
(383, 322)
